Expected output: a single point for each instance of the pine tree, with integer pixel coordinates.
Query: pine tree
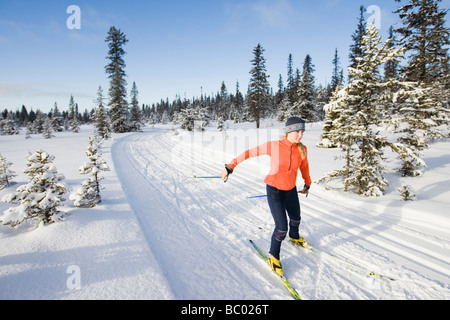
(38, 123)
(74, 127)
(336, 77)
(39, 199)
(222, 106)
(391, 66)
(47, 131)
(136, 116)
(259, 89)
(24, 116)
(389, 108)
(356, 128)
(89, 193)
(411, 126)
(102, 128)
(426, 40)
(407, 193)
(322, 98)
(9, 125)
(73, 115)
(28, 131)
(116, 73)
(304, 107)
(291, 87)
(56, 119)
(6, 174)
(280, 92)
(337, 81)
(281, 102)
(332, 113)
(237, 106)
(191, 118)
(357, 37)
(284, 109)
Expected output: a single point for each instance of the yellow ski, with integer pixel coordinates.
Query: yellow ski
(282, 278)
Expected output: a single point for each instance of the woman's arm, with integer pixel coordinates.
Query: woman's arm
(263, 149)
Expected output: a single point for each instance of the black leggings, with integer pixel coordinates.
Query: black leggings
(280, 203)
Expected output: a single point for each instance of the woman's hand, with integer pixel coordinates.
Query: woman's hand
(226, 172)
(305, 190)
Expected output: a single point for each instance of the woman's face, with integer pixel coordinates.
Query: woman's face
(295, 136)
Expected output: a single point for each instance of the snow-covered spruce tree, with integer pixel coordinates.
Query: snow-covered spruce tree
(136, 116)
(89, 193)
(258, 88)
(337, 80)
(332, 113)
(6, 174)
(410, 123)
(284, 109)
(9, 125)
(56, 119)
(426, 40)
(292, 85)
(74, 126)
(28, 131)
(356, 128)
(116, 73)
(391, 67)
(102, 128)
(38, 123)
(337, 77)
(237, 105)
(357, 37)
(407, 193)
(304, 107)
(73, 115)
(39, 199)
(322, 98)
(190, 117)
(222, 107)
(47, 131)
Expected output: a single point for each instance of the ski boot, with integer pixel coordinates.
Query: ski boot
(275, 265)
(300, 242)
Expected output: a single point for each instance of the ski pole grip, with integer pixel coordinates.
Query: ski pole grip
(229, 171)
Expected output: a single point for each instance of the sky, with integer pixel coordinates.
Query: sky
(49, 52)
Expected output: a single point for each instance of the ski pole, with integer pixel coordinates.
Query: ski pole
(262, 196)
(211, 177)
(208, 177)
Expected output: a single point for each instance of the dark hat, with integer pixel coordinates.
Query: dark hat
(294, 124)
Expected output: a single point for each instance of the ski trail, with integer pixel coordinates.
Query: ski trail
(185, 224)
(405, 246)
(198, 231)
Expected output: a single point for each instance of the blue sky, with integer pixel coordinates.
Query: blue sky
(175, 47)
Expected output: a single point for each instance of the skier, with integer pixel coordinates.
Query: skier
(286, 157)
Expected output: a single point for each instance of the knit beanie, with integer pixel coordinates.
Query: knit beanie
(294, 124)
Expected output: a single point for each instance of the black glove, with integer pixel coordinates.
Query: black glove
(305, 190)
(229, 171)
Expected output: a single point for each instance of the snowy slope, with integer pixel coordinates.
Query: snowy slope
(160, 233)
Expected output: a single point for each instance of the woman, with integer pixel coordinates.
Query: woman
(286, 157)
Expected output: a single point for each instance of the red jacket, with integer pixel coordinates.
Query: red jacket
(285, 160)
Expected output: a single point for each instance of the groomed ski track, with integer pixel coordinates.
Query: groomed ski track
(198, 231)
(184, 221)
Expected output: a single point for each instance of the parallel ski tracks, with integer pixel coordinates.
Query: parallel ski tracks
(362, 228)
(184, 224)
(194, 209)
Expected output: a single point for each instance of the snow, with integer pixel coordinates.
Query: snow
(160, 233)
